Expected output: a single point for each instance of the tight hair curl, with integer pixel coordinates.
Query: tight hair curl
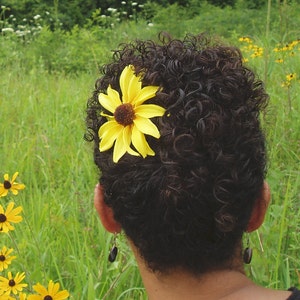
(188, 206)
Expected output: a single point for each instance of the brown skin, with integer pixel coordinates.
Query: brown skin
(260, 208)
(105, 212)
(224, 284)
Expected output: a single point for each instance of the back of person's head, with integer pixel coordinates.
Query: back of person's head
(187, 205)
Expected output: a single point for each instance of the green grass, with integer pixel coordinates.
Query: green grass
(42, 126)
(42, 138)
(276, 255)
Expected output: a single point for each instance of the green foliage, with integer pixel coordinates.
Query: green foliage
(222, 3)
(67, 14)
(33, 44)
(74, 51)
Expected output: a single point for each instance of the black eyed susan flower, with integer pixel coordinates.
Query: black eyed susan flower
(130, 119)
(12, 284)
(245, 39)
(9, 216)
(291, 76)
(279, 60)
(50, 293)
(5, 258)
(10, 185)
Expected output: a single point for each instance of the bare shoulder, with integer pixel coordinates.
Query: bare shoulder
(254, 292)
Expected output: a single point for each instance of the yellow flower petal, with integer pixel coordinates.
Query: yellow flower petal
(40, 289)
(130, 84)
(122, 144)
(107, 127)
(22, 296)
(10, 207)
(62, 295)
(149, 111)
(108, 133)
(53, 287)
(140, 143)
(34, 297)
(10, 211)
(135, 85)
(127, 133)
(124, 81)
(120, 148)
(19, 186)
(114, 96)
(146, 126)
(145, 93)
(14, 177)
(110, 101)
(16, 187)
(20, 276)
(3, 191)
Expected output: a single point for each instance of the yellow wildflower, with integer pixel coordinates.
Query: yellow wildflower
(9, 216)
(5, 258)
(50, 293)
(245, 39)
(291, 76)
(11, 185)
(279, 60)
(131, 118)
(12, 284)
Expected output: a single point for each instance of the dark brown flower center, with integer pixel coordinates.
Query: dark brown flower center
(48, 297)
(2, 218)
(124, 114)
(2, 257)
(7, 184)
(11, 282)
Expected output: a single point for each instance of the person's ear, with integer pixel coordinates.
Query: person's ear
(105, 212)
(260, 208)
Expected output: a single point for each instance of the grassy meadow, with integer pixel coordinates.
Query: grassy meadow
(45, 81)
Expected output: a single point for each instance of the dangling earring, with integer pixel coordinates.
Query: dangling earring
(113, 251)
(247, 255)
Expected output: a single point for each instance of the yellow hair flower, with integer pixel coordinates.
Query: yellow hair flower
(11, 185)
(12, 284)
(9, 216)
(131, 118)
(5, 258)
(50, 293)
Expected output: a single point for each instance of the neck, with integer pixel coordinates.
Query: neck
(226, 284)
(182, 285)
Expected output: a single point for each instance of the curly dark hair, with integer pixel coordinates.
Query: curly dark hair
(187, 206)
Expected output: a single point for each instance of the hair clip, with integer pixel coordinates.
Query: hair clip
(130, 119)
